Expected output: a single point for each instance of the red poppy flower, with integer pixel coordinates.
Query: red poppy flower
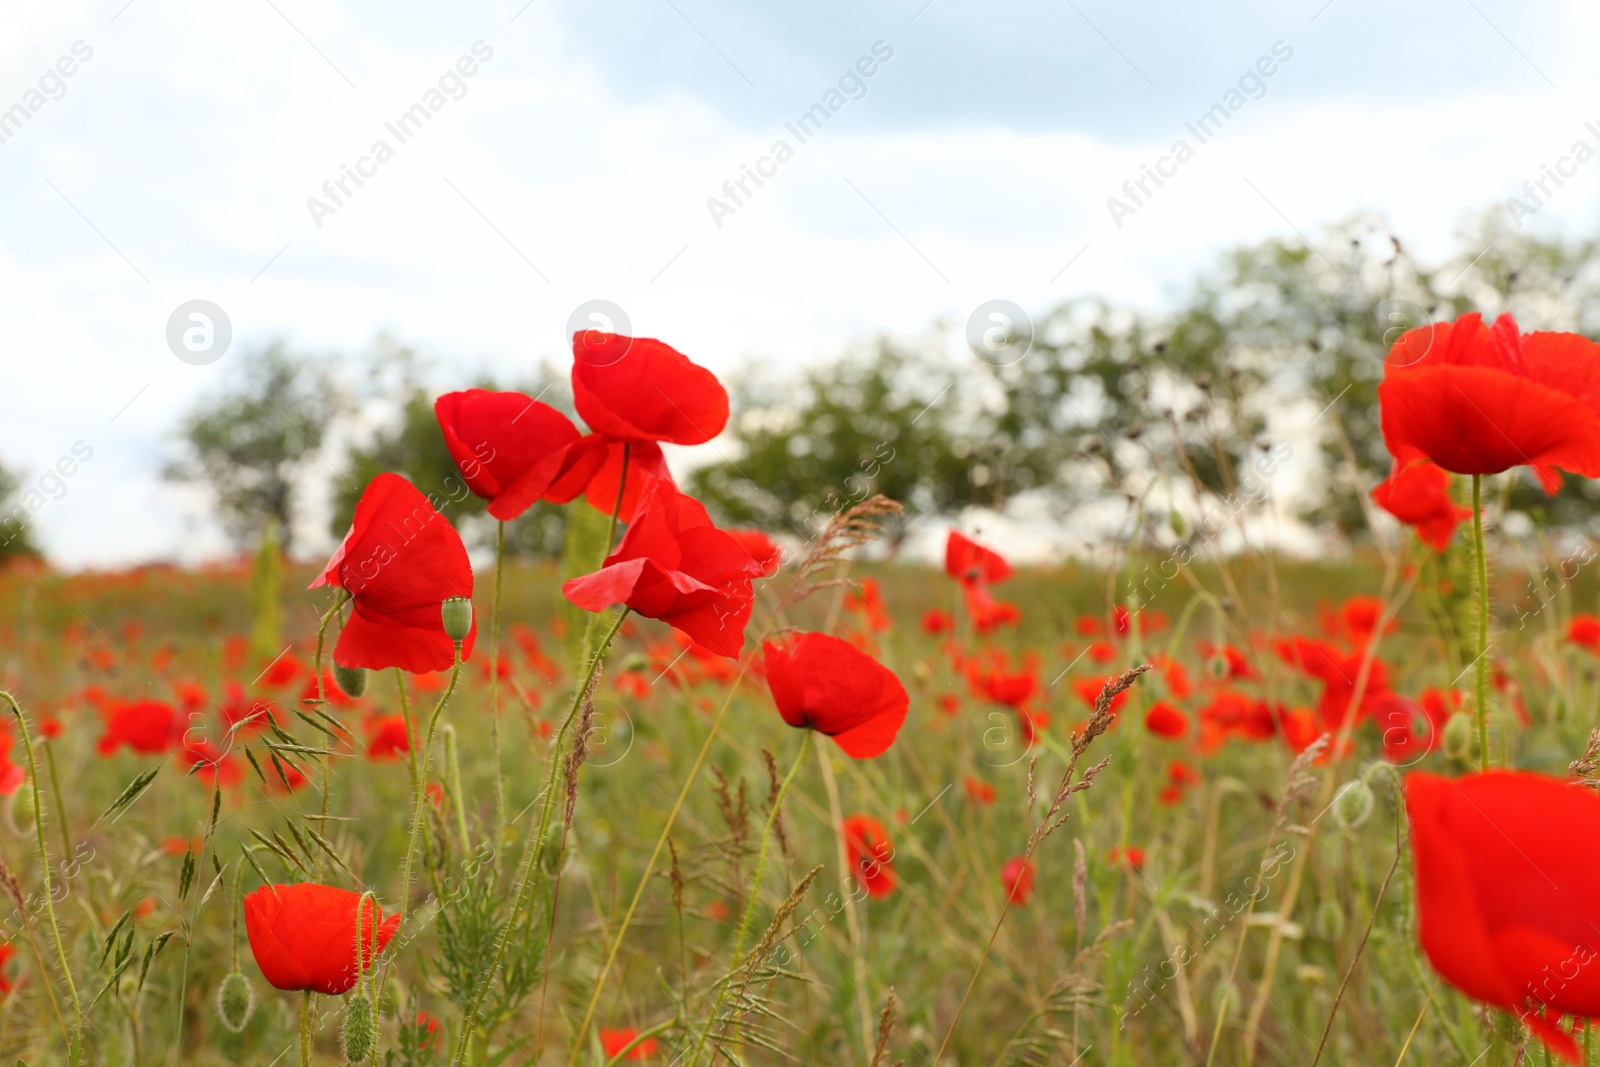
(936, 621)
(1233, 714)
(209, 763)
(387, 738)
(7, 986)
(304, 936)
(1017, 878)
(991, 678)
(1089, 626)
(1338, 672)
(1133, 856)
(763, 549)
(674, 565)
(427, 1030)
(1089, 690)
(149, 727)
(871, 854)
(513, 450)
(638, 391)
(1584, 631)
(1227, 662)
(1507, 906)
(988, 614)
(825, 684)
(400, 561)
(614, 1041)
(11, 774)
(1166, 721)
(1419, 496)
(979, 791)
(1477, 399)
(967, 561)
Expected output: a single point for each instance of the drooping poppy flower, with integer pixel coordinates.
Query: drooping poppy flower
(1419, 496)
(635, 392)
(304, 936)
(967, 561)
(614, 1041)
(400, 561)
(149, 727)
(1166, 721)
(514, 450)
(1584, 631)
(387, 738)
(824, 684)
(674, 565)
(1478, 399)
(1507, 904)
(1017, 878)
(763, 549)
(871, 854)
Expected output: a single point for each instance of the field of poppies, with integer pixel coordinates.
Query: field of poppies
(703, 795)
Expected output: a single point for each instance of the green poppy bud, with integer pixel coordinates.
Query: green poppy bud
(360, 1029)
(1353, 804)
(1460, 737)
(457, 614)
(236, 1001)
(353, 680)
(23, 813)
(1217, 666)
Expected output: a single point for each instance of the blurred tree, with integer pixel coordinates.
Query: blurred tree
(16, 538)
(250, 442)
(892, 419)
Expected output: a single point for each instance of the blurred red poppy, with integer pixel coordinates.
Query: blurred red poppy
(11, 774)
(967, 561)
(936, 621)
(871, 854)
(149, 727)
(1584, 631)
(513, 450)
(614, 1041)
(7, 986)
(825, 684)
(387, 738)
(1419, 496)
(1017, 878)
(1507, 906)
(400, 561)
(638, 391)
(304, 936)
(979, 791)
(1133, 856)
(1166, 721)
(674, 565)
(1479, 399)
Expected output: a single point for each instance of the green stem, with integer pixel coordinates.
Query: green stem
(1483, 622)
(605, 550)
(55, 791)
(534, 846)
(420, 791)
(75, 1052)
(305, 1028)
(494, 695)
(755, 893)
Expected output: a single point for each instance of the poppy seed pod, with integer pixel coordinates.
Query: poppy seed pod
(360, 1029)
(1353, 805)
(1460, 737)
(456, 612)
(236, 1001)
(352, 680)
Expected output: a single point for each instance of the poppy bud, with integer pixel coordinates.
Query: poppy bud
(1353, 804)
(1460, 737)
(352, 680)
(1179, 526)
(634, 661)
(457, 614)
(551, 857)
(236, 1001)
(1217, 666)
(360, 1029)
(23, 812)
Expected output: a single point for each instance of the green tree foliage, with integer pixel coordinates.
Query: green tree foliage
(251, 442)
(16, 537)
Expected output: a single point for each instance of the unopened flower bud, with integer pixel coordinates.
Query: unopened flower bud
(23, 812)
(457, 614)
(360, 1029)
(1353, 804)
(1217, 666)
(236, 1001)
(1460, 737)
(352, 680)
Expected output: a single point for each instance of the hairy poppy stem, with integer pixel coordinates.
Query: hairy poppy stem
(494, 695)
(1483, 622)
(533, 849)
(420, 790)
(75, 1050)
(755, 893)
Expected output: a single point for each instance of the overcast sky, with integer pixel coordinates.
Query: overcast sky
(577, 160)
